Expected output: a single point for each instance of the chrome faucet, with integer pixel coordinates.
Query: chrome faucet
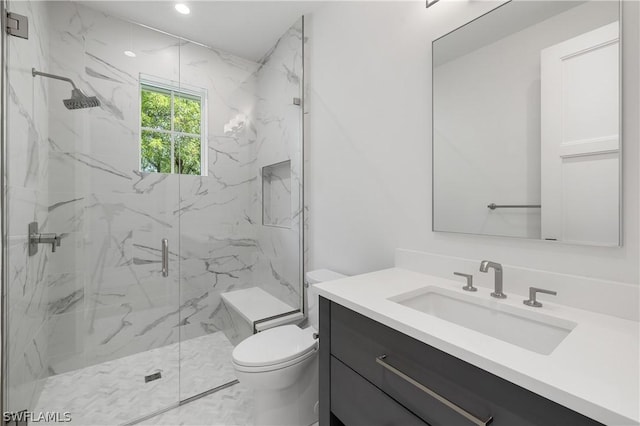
(484, 267)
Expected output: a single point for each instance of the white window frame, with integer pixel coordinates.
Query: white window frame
(175, 88)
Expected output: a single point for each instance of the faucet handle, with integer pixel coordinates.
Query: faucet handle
(469, 277)
(533, 291)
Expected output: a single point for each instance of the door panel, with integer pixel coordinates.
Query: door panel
(580, 139)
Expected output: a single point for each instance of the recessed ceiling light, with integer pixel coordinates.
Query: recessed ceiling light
(183, 8)
(129, 53)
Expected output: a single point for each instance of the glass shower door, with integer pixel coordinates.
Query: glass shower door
(241, 219)
(172, 178)
(216, 244)
(92, 325)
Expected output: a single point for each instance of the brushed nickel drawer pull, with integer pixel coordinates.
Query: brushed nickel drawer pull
(380, 360)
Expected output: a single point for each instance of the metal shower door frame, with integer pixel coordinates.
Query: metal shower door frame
(4, 279)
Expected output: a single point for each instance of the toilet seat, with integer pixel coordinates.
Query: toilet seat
(272, 368)
(274, 349)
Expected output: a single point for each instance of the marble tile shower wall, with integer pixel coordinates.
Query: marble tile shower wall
(106, 296)
(27, 180)
(224, 245)
(279, 130)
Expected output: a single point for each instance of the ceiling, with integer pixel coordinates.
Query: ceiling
(501, 22)
(245, 28)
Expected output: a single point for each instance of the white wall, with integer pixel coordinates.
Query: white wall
(370, 145)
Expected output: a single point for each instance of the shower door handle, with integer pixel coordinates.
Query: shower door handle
(165, 257)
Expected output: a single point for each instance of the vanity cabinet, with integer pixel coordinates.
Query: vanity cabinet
(371, 375)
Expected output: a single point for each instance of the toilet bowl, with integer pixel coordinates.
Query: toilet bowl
(280, 365)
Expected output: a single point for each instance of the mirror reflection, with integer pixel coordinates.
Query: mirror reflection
(526, 119)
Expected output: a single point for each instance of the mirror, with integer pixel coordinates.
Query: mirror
(526, 123)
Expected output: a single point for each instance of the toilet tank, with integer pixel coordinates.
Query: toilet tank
(312, 278)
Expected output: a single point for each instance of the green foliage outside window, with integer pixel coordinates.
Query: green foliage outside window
(171, 131)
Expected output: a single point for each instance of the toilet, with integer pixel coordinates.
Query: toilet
(281, 366)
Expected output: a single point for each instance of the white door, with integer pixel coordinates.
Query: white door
(580, 139)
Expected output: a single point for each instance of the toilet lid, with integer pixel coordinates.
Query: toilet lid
(274, 346)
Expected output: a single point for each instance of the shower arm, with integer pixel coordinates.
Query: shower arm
(35, 72)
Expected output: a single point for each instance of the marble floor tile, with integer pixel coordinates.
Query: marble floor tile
(115, 392)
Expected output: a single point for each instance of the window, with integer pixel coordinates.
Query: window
(172, 136)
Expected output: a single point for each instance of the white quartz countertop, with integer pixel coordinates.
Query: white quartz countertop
(594, 371)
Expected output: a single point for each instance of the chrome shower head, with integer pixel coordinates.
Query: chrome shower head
(79, 100)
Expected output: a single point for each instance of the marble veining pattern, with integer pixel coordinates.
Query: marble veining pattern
(27, 177)
(101, 296)
(115, 216)
(279, 126)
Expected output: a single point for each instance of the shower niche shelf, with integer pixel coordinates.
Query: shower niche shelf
(276, 195)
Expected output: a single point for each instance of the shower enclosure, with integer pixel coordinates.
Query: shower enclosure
(151, 220)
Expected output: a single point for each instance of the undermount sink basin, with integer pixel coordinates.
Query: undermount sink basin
(519, 326)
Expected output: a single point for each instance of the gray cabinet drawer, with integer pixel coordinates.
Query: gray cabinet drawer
(357, 341)
(356, 402)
